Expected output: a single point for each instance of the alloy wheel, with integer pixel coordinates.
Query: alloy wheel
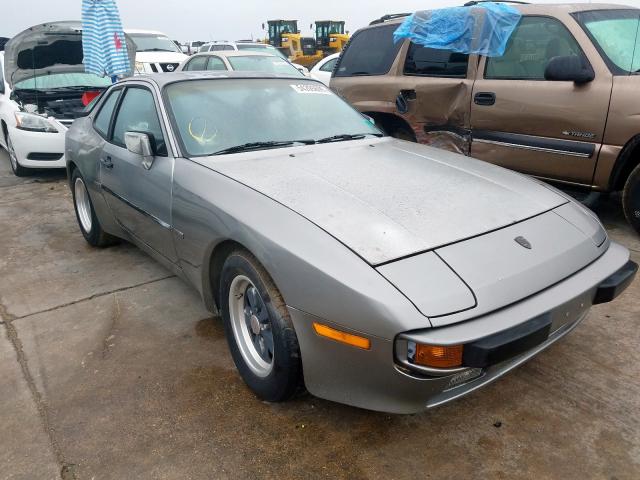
(251, 326)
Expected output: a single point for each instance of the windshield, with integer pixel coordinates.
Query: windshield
(63, 80)
(615, 33)
(331, 28)
(263, 63)
(211, 115)
(153, 43)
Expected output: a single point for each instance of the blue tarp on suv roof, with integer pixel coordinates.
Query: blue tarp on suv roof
(482, 29)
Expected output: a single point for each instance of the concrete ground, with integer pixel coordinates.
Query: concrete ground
(110, 368)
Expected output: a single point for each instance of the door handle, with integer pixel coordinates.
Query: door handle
(106, 162)
(403, 99)
(484, 98)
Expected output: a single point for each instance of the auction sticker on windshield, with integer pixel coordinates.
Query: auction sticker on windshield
(311, 88)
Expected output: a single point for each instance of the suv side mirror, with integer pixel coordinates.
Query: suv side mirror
(142, 144)
(1, 86)
(569, 68)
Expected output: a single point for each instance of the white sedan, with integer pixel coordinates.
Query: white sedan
(323, 69)
(42, 90)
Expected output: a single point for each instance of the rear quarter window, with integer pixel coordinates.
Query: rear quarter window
(370, 52)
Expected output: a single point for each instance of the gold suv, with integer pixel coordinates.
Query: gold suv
(561, 104)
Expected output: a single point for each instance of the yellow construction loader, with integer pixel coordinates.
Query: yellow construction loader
(285, 36)
(330, 36)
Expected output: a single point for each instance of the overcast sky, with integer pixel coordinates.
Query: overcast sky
(216, 19)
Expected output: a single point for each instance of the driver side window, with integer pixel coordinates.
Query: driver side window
(137, 113)
(532, 45)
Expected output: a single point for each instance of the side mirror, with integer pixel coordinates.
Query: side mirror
(368, 118)
(263, 26)
(1, 87)
(569, 68)
(141, 144)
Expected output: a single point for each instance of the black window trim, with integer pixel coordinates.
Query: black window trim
(99, 108)
(404, 66)
(116, 112)
(362, 30)
(613, 68)
(584, 56)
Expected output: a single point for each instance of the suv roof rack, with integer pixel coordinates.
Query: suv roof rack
(390, 16)
(476, 2)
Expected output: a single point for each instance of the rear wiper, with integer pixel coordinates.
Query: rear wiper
(347, 136)
(246, 147)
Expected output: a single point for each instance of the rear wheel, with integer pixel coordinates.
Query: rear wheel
(87, 219)
(17, 169)
(631, 199)
(259, 331)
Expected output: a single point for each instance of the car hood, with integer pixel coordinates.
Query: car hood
(160, 57)
(48, 48)
(385, 198)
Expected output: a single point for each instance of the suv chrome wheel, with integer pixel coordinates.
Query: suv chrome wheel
(251, 326)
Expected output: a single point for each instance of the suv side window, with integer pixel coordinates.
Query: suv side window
(103, 119)
(137, 113)
(370, 52)
(196, 64)
(535, 41)
(433, 62)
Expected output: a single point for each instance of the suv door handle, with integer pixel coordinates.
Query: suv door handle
(403, 99)
(484, 98)
(106, 162)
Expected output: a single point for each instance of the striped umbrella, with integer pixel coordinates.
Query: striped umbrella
(103, 40)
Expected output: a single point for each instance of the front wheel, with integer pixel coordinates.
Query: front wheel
(86, 215)
(631, 199)
(259, 331)
(18, 170)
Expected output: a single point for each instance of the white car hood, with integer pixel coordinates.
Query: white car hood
(45, 49)
(160, 57)
(386, 199)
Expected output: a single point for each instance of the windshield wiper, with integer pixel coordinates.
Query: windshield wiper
(246, 147)
(347, 136)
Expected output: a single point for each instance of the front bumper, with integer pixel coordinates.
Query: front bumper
(39, 149)
(376, 380)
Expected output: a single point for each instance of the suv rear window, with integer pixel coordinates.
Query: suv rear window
(433, 62)
(370, 52)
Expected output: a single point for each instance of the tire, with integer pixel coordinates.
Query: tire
(631, 199)
(258, 328)
(403, 134)
(86, 215)
(18, 170)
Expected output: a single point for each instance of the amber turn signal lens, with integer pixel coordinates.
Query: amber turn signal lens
(438, 356)
(342, 337)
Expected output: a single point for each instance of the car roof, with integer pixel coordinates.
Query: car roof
(236, 53)
(535, 9)
(162, 79)
(144, 32)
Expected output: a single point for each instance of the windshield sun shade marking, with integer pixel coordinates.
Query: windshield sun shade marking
(311, 88)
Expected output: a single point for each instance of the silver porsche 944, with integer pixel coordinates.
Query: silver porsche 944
(371, 271)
